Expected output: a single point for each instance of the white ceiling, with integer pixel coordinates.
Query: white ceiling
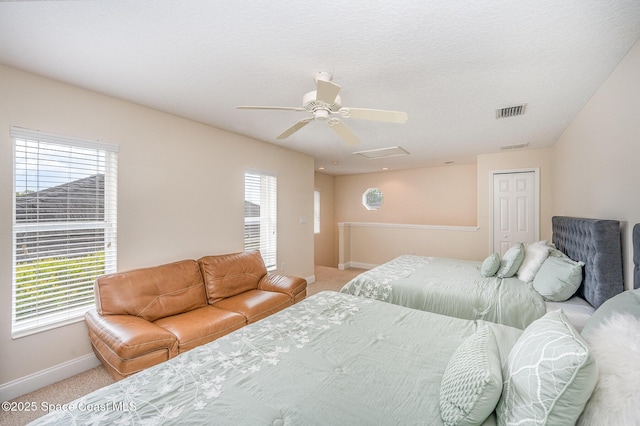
(449, 64)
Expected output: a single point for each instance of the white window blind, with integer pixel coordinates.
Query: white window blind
(260, 215)
(64, 227)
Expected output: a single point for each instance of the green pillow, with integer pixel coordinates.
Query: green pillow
(490, 265)
(472, 382)
(549, 375)
(627, 302)
(558, 278)
(511, 261)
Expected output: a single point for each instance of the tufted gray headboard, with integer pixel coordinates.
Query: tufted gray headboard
(597, 243)
(636, 255)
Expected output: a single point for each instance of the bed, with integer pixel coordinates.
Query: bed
(339, 359)
(456, 287)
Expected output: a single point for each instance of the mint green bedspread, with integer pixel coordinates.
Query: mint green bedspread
(450, 287)
(332, 359)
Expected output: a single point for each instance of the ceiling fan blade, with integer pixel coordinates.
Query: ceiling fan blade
(270, 107)
(291, 130)
(343, 132)
(374, 114)
(327, 91)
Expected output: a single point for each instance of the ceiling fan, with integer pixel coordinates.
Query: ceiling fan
(324, 102)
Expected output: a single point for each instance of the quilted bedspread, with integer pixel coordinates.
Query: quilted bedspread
(450, 287)
(330, 359)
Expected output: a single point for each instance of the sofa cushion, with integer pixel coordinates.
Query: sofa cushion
(295, 287)
(127, 344)
(200, 326)
(151, 293)
(119, 368)
(130, 336)
(231, 274)
(256, 304)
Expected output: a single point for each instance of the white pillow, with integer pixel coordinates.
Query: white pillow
(616, 346)
(534, 255)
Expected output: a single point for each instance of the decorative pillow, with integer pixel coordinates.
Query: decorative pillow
(549, 375)
(511, 261)
(534, 255)
(558, 278)
(616, 346)
(472, 382)
(490, 265)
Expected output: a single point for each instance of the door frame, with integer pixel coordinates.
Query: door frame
(536, 209)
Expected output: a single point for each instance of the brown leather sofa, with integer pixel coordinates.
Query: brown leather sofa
(147, 316)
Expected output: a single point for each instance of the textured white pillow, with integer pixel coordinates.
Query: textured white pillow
(616, 346)
(534, 255)
(472, 382)
(549, 375)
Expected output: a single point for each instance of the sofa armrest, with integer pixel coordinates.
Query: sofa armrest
(130, 336)
(292, 286)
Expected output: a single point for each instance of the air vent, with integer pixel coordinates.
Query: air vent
(515, 146)
(511, 111)
(393, 151)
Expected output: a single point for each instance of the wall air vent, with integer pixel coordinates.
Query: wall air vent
(511, 111)
(393, 151)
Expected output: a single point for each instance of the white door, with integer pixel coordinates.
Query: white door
(515, 207)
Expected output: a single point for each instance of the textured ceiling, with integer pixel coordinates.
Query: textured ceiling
(448, 64)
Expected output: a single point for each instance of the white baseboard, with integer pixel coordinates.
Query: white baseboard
(46, 377)
(359, 265)
(311, 279)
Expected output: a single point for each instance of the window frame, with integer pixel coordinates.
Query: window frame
(90, 158)
(264, 194)
(316, 211)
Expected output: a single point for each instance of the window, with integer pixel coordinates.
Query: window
(64, 227)
(316, 212)
(372, 199)
(260, 215)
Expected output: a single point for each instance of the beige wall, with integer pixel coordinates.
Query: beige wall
(325, 245)
(452, 202)
(429, 196)
(180, 195)
(597, 159)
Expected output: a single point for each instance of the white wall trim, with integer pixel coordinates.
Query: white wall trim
(46, 377)
(409, 226)
(311, 279)
(362, 265)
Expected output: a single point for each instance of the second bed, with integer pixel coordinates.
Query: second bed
(456, 287)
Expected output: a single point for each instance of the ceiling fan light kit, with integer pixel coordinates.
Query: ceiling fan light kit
(325, 101)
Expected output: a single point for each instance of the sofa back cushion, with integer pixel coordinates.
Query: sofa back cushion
(152, 293)
(231, 274)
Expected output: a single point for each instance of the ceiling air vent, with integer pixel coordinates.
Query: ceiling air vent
(515, 146)
(393, 151)
(511, 111)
